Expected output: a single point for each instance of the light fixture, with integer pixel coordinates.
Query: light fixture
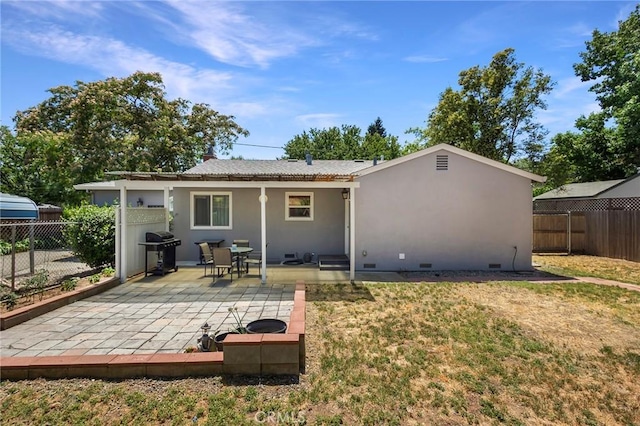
(345, 194)
(140, 202)
(204, 342)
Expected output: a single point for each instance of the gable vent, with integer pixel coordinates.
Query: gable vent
(442, 162)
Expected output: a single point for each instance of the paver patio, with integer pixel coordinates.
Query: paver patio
(148, 315)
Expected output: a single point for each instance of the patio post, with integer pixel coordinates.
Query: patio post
(166, 208)
(263, 233)
(352, 232)
(123, 234)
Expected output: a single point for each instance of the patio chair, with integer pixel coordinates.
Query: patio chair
(254, 258)
(207, 257)
(223, 260)
(241, 243)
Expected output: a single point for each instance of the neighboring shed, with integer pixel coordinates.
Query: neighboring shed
(13, 207)
(619, 188)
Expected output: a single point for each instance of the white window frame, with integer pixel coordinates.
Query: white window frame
(287, 206)
(192, 212)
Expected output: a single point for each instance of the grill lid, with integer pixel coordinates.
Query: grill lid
(159, 236)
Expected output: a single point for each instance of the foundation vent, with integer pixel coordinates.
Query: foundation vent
(289, 256)
(442, 162)
(495, 266)
(369, 265)
(425, 265)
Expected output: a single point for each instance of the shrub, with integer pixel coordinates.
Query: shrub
(9, 299)
(95, 278)
(91, 234)
(36, 284)
(69, 284)
(108, 272)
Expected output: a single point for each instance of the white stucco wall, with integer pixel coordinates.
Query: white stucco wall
(467, 217)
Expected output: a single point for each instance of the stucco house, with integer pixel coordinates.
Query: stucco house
(441, 208)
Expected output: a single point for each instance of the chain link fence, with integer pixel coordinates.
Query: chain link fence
(30, 249)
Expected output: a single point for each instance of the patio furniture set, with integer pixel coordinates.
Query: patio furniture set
(224, 258)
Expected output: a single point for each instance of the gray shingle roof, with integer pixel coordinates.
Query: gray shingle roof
(299, 168)
(579, 190)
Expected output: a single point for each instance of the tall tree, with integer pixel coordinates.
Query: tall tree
(376, 128)
(608, 146)
(493, 112)
(38, 165)
(124, 124)
(341, 143)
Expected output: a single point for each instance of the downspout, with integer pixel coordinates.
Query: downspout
(263, 232)
(352, 237)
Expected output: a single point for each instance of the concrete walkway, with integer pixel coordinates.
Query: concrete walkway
(148, 315)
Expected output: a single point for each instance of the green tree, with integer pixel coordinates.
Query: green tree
(377, 128)
(126, 124)
(492, 114)
(341, 143)
(40, 166)
(608, 146)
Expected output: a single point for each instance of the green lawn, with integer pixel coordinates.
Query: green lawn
(514, 353)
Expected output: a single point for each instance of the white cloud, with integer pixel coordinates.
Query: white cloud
(59, 9)
(318, 120)
(569, 85)
(424, 59)
(114, 58)
(231, 36)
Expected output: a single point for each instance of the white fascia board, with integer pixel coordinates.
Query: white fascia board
(158, 185)
(453, 150)
(97, 186)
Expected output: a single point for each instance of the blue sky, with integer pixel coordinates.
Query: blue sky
(284, 67)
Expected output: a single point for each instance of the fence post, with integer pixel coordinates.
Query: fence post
(569, 231)
(118, 259)
(32, 260)
(13, 257)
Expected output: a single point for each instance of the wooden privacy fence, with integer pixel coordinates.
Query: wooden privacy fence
(607, 233)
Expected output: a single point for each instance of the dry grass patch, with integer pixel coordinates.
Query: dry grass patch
(590, 266)
(401, 354)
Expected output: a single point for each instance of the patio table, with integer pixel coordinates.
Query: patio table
(239, 253)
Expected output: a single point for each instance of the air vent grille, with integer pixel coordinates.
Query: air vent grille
(442, 162)
(425, 265)
(495, 266)
(370, 265)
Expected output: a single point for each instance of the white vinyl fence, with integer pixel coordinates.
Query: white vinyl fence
(139, 221)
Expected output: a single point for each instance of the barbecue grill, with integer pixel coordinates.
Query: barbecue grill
(164, 245)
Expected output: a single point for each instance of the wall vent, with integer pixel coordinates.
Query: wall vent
(495, 266)
(289, 256)
(425, 265)
(442, 162)
(369, 265)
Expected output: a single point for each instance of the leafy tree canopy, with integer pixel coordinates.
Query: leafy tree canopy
(607, 145)
(343, 143)
(493, 112)
(113, 124)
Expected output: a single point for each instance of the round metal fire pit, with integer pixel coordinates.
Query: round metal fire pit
(266, 326)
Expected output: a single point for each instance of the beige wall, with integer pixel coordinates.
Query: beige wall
(467, 217)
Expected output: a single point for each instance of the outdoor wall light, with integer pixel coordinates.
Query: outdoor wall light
(140, 202)
(345, 194)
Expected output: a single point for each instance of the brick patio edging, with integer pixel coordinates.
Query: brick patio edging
(247, 354)
(25, 313)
